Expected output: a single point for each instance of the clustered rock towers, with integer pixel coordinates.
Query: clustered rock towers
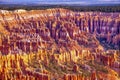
(60, 31)
(27, 32)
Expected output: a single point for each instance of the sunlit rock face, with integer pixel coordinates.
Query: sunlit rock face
(59, 44)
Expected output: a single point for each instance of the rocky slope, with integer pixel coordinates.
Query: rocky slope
(59, 44)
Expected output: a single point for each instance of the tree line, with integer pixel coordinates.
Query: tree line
(115, 8)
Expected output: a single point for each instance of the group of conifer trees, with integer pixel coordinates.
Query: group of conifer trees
(115, 8)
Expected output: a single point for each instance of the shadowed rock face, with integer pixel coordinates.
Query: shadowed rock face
(67, 44)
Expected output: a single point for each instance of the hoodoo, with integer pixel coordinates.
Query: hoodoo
(59, 44)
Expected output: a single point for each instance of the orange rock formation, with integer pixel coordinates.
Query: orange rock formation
(59, 44)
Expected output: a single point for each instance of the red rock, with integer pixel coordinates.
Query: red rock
(57, 35)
